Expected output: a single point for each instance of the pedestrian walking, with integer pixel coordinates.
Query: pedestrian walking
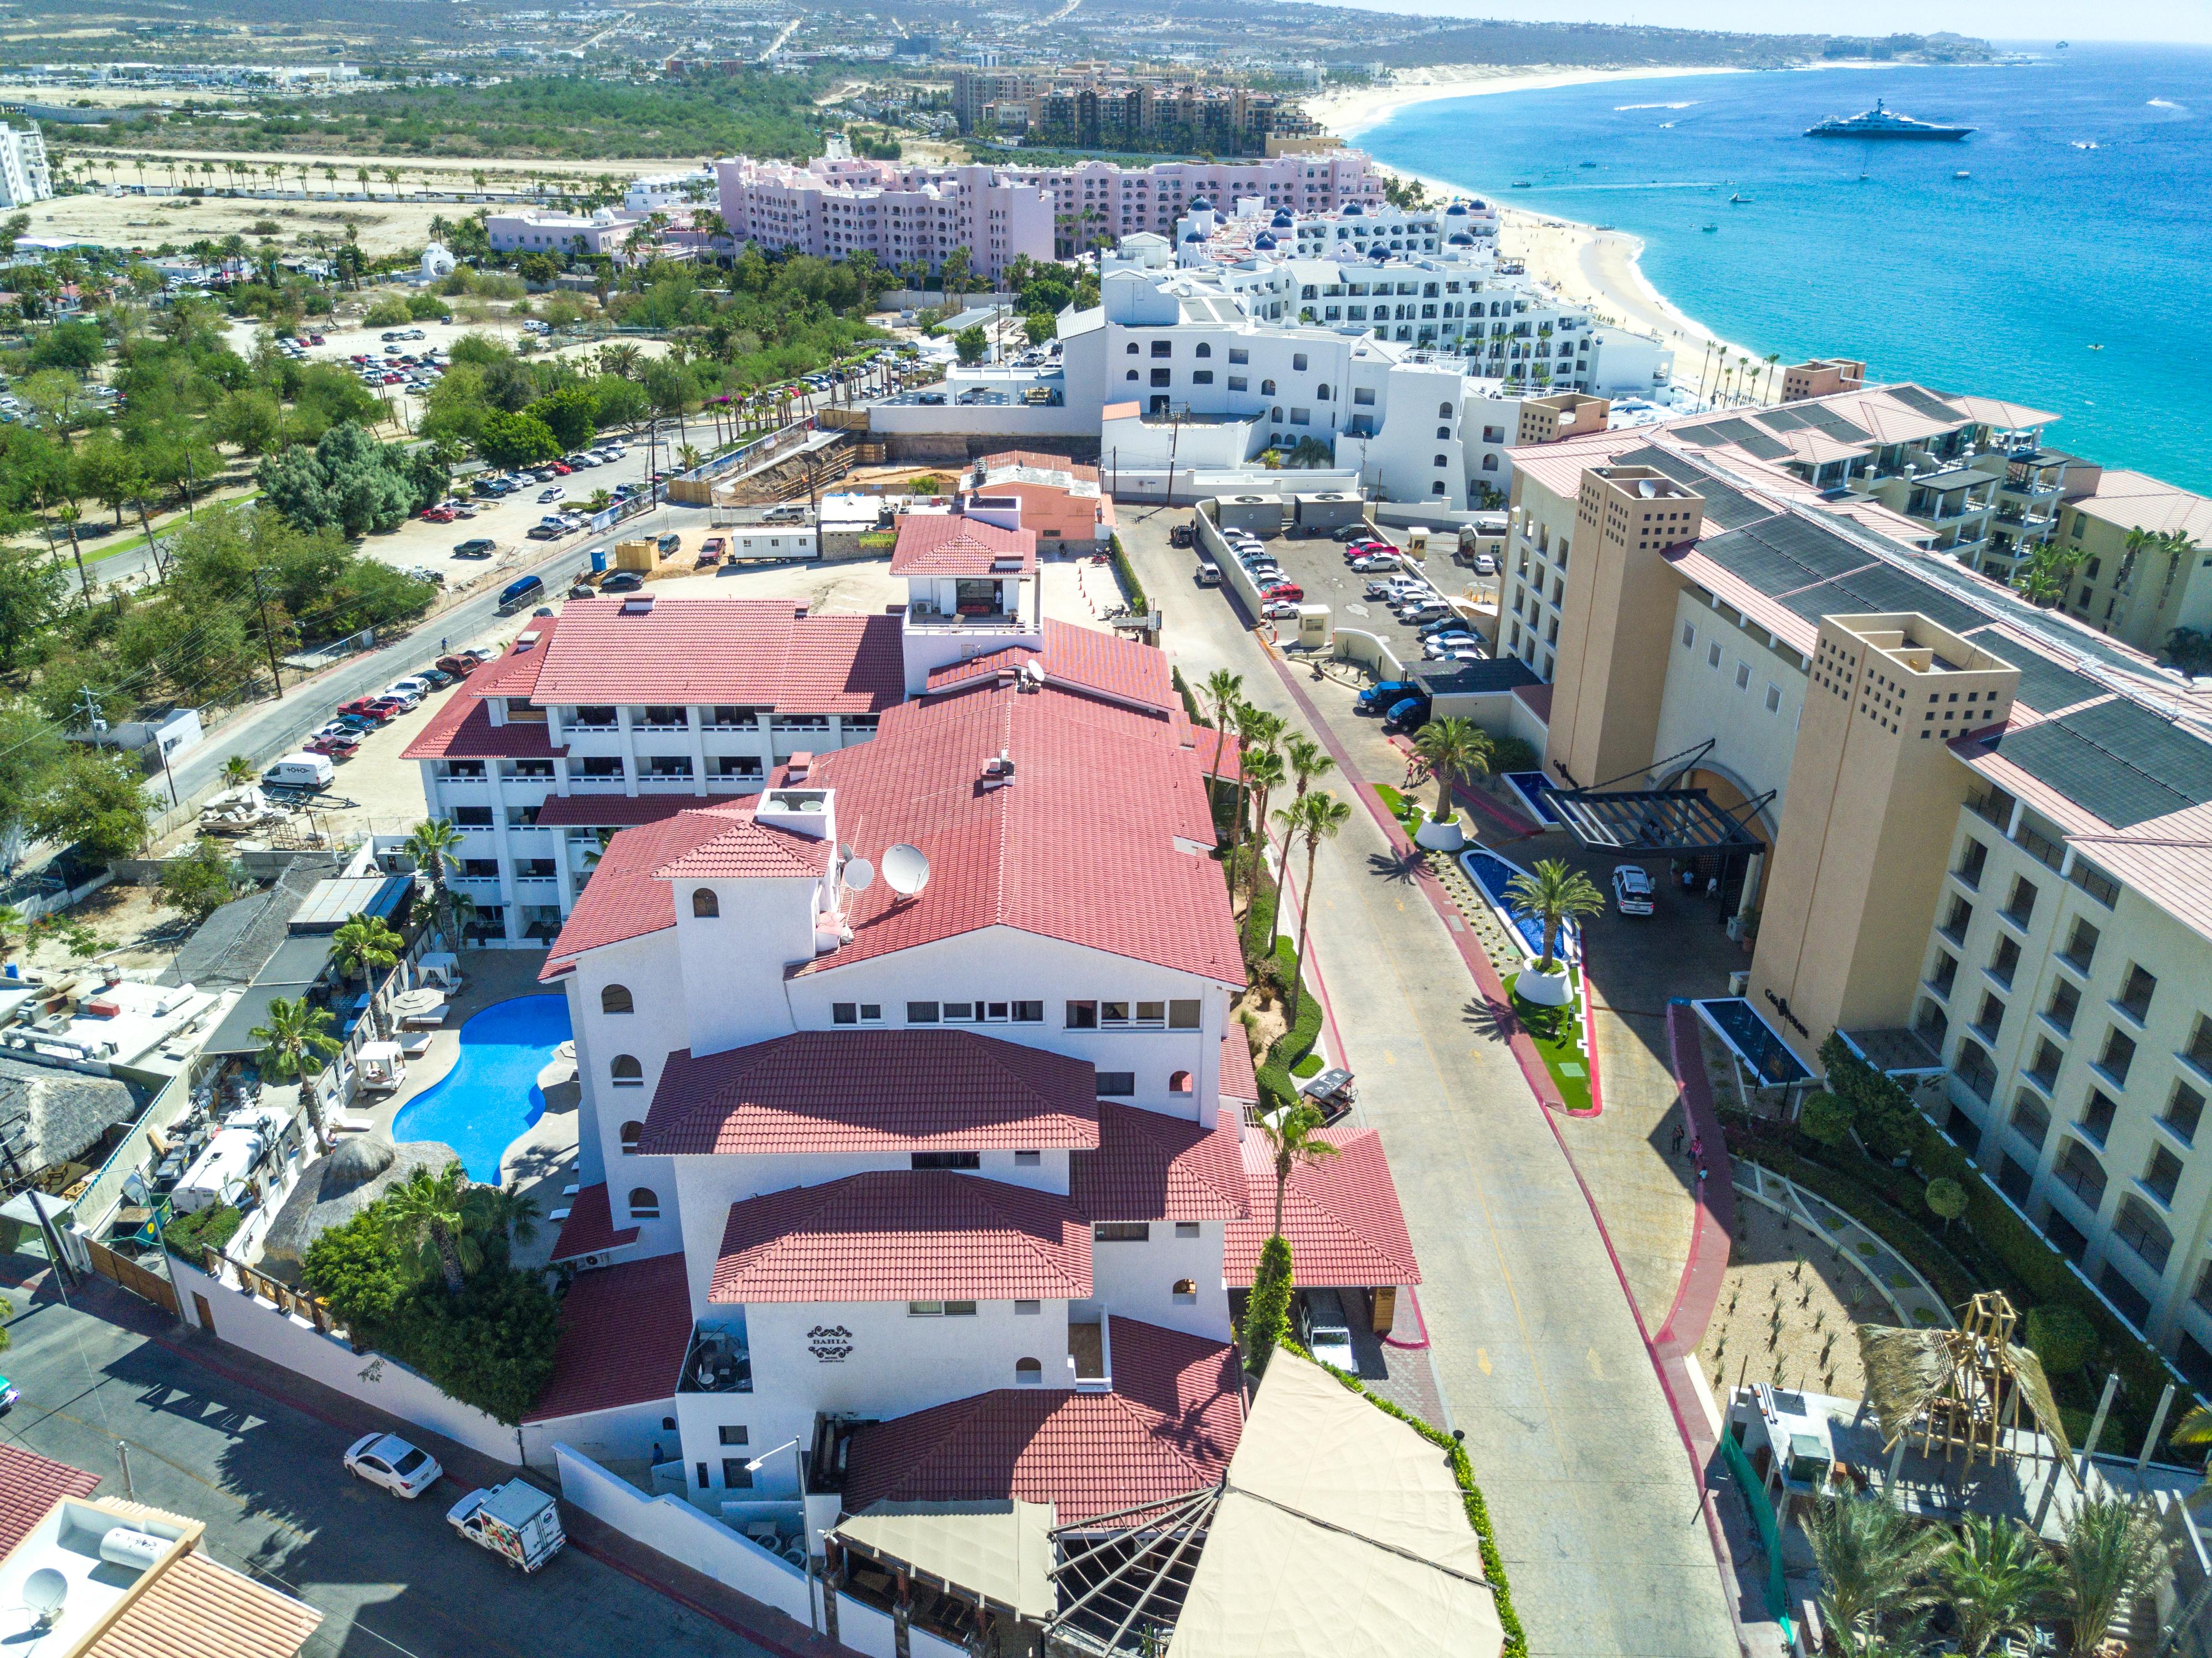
(1675, 1148)
(1698, 1147)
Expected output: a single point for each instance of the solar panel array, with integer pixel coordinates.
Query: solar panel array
(1828, 421)
(1782, 420)
(2045, 686)
(2118, 760)
(1925, 403)
(1766, 448)
(1783, 554)
(1725, 505)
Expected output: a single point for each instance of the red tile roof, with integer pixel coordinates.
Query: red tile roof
(625, 898)
(514, 671)
(943, 543)
(872, 1091)
(1340, 1215)
(1150, 1166)
(590, 1228)
(922, 1234)
(747, 850)
(1205, 740)
(1108, 665)
(611, 810)
(750, 651)
(624, 1330)
(1102, 796)
(462, 730)
(1239, 1081)
(1169, 1427)
(30, 1486)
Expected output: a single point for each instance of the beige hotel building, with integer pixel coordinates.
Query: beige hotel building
(1985, 828)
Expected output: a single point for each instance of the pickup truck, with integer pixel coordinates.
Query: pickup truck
(516, 1522)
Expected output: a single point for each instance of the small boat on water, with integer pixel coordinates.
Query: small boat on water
(1962, 173)
(1710, 227)
(2096, 348)
(1590, 163)
(1520, 183)
(1739, 198)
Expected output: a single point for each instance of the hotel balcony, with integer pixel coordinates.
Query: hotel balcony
(1089, 1352)
(991, 620)
(720, 1359)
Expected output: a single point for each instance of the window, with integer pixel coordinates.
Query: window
(2081, 946)
(2134, 1304)
(1773, 697)
(644, 1203)
(1363, 396)
(1743, 676)
(1116, 1084)
(1237, 382)
(1164, 347)
(1689, 634)
(1027, 1373)
(616, 999)
(2065, 1002)
(1082, 1016)
(1267, 389)
(1202, 377)
(1028, 1012)
(1237, 354)
(1187, 1228)
(1179, 1082)
(1972, 1066)
(946, 1159)
(961, 1012)
(2094, 881)
(1297, 362)
(2199, 1051)
(471, 817)
(2021, 905)
(2097, 1118)
(736, 1475)
(2119, 1054)
(1971, 858)
(1185, 1293)
(1028, 1159)
(704, 903)
(2184, 1111)
(1713, 656)
(1183, 1015)
(627, 1071)
(1133, 347)
(2163, 1175)
(1027, 1307)
(855, 1012)
(632, 1133)
(2079, 1173)
(730, 1436)
(2005, 961)
(2044, 1073)
(1163, 377)
(940, 1310)
(2138, 1228)
(2134, 995)
(2030, 1119)
(1121, 1231)
(1204, 350)
(921, 1012)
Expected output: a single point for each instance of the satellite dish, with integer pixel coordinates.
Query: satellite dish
(860, 874)
(906, 869)
(44, 1591)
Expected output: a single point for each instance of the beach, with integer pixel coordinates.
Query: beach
(1594, 267)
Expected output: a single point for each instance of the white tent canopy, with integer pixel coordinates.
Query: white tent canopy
(998, 1551)
(1341, 1534)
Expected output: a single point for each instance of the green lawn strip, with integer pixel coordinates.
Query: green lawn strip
(1558, 1039)
(133, 544)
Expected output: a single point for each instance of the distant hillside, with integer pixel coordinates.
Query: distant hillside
(1605, 45)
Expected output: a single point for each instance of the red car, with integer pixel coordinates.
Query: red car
(562, 469)
(438, 515)
(371, 707)
(338, 748)
(315, 339)
(1284, 590)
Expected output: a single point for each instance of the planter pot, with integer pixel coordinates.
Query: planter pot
(1554, 989)
(1433, 837)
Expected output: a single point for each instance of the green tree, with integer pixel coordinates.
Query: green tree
(1946, 1199)
(1997, 1580)
(365, 945)
(33, 590)
(202, 881)
(251, 422)
(1293, 1138)
(1875, 1564)
(1223, 691)
(570, 414)
(2044, 579)
(351, 482)
(516, 440)
(1038, 327)
(971, 344)
(427, 1218)
(1312, 818)
(1454, 751)
(96, 798)
(1551, 892)
(2112, 1551)
(1826, 1119)
(1268, 1309)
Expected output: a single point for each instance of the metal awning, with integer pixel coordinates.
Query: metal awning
(1758, 1047)
(1682, 821)
(1896, 1051)
(1122, 1577)
(330, 904)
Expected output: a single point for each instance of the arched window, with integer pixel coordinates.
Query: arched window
(1186, 1291)
(1321, 392)
(1133, 347)
(1443, 431)
(644, 1203)
(616, 999)
(1490, 464)
(1204, 349)
(1267, 389)
(1437, 488)
(704, 903)
(1131, 375)
(632, 1132)
(1278, 413)
(627, 1071)
(1027, 1373)
(1440, 461)
(1179, 1083)
(1443, 411)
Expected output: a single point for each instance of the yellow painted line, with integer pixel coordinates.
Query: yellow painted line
(1482, 1360)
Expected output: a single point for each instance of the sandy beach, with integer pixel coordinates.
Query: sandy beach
(1598, 267)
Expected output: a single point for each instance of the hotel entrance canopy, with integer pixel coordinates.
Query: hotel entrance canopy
(1680, 822)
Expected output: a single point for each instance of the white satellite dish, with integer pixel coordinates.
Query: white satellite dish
(44, 1591)
(860, 874)
(906, 869)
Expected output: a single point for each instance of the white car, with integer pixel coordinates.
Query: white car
(1281, 611)
(405, 691)
(1485, 565)
(554, 494)
(390, 1462)
(1631, 889)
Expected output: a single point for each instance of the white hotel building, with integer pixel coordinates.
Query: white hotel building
(948, 1179)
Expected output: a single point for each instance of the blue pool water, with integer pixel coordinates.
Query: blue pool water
(1493, 875)
(2085, 222)
(491, 1095)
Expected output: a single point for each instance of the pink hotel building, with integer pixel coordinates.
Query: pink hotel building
(833, 209)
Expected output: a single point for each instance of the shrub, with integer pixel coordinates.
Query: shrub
(1882, 1111)
(2062, 1337)
(1268, 1312)
(1946, 1199)
(1135, 589)
(427, 308)
(391, 312)
(1512, 754)
(1826, 1119)
(209, 1229)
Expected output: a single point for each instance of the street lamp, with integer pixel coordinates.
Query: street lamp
(805, 1542)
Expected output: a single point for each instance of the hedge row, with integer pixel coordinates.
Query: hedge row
(1139, 604)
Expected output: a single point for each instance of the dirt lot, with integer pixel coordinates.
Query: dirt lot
(1788, 1310)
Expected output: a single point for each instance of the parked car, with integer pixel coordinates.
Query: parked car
(516, 1522)
(366, 707)
(1289, 589)
(438, 515)
(1406, 713)
(476, 546)
(388, 1461)
(523, 589)
(582, 589)
(1380, 695)
(308, 772)
(622, 581)
(553, 493)
(1485, 564)
(1349, 532)
(1631, 889)
(1327, 1331)
(669, 544)
(1181, 535)
(1208, 573)
(712, 549)
(461, 664)
(1280, 609)
(338, 745)
(552, 532)
(414, 685)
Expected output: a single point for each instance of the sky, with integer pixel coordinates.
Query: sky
(2018, 21)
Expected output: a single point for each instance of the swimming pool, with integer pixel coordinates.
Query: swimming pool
(491, 1095)
(1493, 875)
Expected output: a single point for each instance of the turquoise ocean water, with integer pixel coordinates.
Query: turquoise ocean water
(2000, 282)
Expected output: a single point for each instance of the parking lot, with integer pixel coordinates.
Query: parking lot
(1315, 563)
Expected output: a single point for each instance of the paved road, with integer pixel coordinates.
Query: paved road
(1536, 1348)
(391, 1578)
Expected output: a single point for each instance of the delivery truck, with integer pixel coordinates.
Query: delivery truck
(517, 1522)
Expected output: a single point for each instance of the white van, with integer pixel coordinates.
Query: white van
(300, 771)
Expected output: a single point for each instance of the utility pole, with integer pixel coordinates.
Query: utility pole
(268, 638)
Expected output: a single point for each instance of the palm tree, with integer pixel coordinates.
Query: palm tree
(1263, 771)
(2044, 579)
(1552, 893)
(1223, 689)
(1454, 750)
(1293, 1137)
(294, 1033)
(237, 772)
(1999, 1581)
(428, 1216)
(1258, 732)
(2113, 1551)
(1313, 818)
(362, 946)
(1875, 1564)
(434, 841)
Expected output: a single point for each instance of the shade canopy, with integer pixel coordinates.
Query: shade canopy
(1682, 821)
(997, 1551)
